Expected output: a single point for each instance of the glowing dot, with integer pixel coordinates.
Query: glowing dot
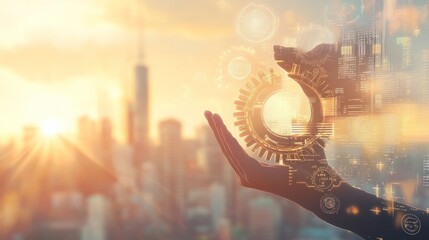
(51, 127)
(284, 109)
(239, 68)
(353, 210)
(376, 210)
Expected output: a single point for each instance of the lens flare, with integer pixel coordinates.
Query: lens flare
(51, 127)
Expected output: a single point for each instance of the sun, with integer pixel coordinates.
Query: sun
(51, 127)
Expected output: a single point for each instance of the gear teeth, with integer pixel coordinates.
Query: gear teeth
(262, 76)
(249, 86)
(240, 118)
(256, 148)
(262, 152)
(248, 138)
(242, 97)
(240, 123)
(244, 134)
(269, 155)
(250, 143)
(242, 128)
(239, 114)
(277, 157)
(256, 82)
(244, 92)
(239, 103)
(239, 108)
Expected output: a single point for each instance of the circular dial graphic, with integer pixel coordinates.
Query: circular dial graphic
(275, 122)
(256, 23)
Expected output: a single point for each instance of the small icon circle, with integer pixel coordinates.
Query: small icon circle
(411, 224)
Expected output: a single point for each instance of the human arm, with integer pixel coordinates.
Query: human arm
(342, 205)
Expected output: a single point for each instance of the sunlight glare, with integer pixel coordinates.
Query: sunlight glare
(51, 127)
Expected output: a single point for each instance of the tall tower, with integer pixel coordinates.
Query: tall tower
(172, 167)
(141, 113)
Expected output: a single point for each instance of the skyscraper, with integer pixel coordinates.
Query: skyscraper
(141, 114)
(172, 166)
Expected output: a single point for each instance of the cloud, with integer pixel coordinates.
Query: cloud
(60, 22)
(185, 17)
(42, 61)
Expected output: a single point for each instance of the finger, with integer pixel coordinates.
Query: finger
(222, 144)
(235, 150)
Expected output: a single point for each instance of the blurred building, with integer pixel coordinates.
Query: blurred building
(62, 218)
(140, 135)
(218, 204)
(97, 219)
(217, 168)
(264, 218)
(106, 142)
(172, 167)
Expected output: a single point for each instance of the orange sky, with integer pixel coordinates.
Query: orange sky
(62, 59)
(59, 58)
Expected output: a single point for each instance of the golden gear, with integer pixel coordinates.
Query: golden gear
(268, 144)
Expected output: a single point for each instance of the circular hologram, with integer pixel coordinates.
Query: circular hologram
(239, 68)
(411, 224)
(312, 36)
(284, 110)
(276, 122)
(256, 23)
(235, 63)
(324, 178)
(329, 204)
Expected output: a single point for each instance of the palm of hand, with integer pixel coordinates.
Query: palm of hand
(274, 179)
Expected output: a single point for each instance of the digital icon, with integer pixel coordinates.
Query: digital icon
(324, 178)
(329, 204)
(411, 224)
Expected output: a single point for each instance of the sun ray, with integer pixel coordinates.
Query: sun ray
(74, 143)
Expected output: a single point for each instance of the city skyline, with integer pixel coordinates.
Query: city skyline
(97, 54)
(103, 137)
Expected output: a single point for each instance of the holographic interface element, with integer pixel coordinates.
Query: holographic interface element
(278, 125)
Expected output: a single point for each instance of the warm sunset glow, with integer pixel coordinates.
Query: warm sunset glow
(51, 127)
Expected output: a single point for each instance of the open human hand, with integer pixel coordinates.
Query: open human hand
(288, 180)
